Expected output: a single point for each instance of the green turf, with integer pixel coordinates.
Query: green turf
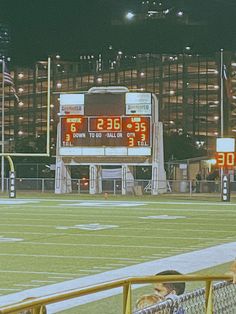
(49, 254)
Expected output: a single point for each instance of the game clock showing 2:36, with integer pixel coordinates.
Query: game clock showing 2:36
(129, 131)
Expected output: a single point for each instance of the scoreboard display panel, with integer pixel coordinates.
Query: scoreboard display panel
(128, 131)
(226, 160)
(106, 124)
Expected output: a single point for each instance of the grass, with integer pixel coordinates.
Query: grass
(53, 250)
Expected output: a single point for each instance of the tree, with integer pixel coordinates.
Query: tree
(181, 146)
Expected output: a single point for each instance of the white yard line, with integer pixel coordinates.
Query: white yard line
(60, 277)
(73, 257)
(36, 272)
(44, 281)
(140, 228)
(25, 285)
(106, 245)
(185, 263)
(110, 235)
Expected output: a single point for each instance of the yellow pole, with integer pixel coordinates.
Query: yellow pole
(209, 298)
(40, 309)
(127, 299)
(10, 163)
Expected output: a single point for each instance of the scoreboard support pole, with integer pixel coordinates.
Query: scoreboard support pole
(154, 179)
(158, 172)
(124, 181)
(62, 178)
(95, 179)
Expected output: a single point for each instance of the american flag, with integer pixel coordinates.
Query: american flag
(8, 80)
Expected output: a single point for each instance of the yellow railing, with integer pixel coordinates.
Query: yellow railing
(39, 304)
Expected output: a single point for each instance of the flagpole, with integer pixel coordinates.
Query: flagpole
(3, 128)
(48, 107)
(221, 93)
(221, 111)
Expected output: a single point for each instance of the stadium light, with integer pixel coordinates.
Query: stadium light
(129, 15)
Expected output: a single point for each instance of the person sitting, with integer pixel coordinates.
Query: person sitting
(162, 292)
(163, 289)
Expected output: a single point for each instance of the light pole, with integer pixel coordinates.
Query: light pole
(3, 127)
(221, 93)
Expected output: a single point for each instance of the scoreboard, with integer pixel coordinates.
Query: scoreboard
(105, 131)
(109, 126)
(106, 124)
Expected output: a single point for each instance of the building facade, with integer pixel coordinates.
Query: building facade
(188, 88)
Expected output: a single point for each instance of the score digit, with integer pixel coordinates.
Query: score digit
(73, 127)
(67, 137)
(143, 127)
(109, 124)
(230, 159)
(117, 124)
(131, 141)
(100, 124)
(221, 159)
(143, 137)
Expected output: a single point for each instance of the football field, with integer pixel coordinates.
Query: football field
(50, 240)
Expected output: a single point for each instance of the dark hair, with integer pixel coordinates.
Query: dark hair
(179, 287)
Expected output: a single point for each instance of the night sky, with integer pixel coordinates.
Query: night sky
(74, 27)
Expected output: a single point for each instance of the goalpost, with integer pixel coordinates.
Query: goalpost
(8, 155)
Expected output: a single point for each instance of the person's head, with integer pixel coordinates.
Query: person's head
(165, 288)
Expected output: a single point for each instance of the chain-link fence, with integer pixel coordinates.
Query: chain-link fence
(194, 302)
(114, 186)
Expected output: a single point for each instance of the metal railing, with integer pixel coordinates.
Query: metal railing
(38, 305)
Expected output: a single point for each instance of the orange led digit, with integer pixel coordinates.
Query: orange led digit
(230, 159)
(67, 137)
(100, 124)
(143, 127)
(117, 125)
(143, 137)
(73, 127)
(221, 159)
(131, 141)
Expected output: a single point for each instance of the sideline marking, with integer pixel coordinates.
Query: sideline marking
(92, 227)
(105, 204)
(184, 263)
(16, 202)
(186, 202)
(4, 240)
(163, 217)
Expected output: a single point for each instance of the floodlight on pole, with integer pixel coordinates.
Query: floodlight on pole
(129, 15)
